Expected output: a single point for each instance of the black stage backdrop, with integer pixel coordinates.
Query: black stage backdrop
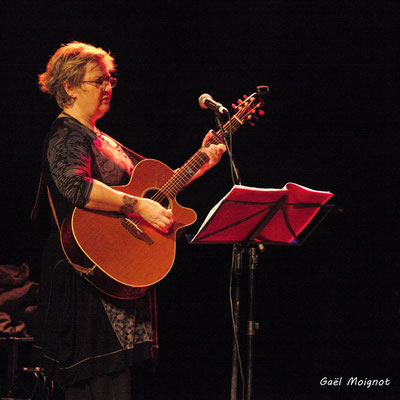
(327, 309)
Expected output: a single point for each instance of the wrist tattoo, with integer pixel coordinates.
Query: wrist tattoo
(129, 205)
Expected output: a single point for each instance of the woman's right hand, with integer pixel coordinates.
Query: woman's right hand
(105, 198)
(154, 213)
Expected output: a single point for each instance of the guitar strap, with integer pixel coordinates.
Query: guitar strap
(136, 155)
(53, 210)
(35, 209)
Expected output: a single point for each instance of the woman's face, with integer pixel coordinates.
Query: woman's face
(94, 101)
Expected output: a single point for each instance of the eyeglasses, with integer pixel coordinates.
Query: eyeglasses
(103, 81)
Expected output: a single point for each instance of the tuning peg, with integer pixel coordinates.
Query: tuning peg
(261, 112)
(239, 101)
(234, 106)
(245, 96)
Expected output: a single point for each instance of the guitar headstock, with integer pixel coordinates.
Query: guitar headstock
(250, 109)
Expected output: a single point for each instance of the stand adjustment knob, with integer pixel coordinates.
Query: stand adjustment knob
(252, 328)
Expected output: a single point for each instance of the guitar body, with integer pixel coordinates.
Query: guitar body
(120, 257)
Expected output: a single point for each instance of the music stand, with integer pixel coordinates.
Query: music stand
(250, 218)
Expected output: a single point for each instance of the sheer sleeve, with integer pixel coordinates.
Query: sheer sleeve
(69, 158)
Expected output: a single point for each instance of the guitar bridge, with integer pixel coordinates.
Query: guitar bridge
(133, 228)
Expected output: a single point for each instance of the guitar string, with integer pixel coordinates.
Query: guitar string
(198, 159)
(237, 120)
(160, 195)
(178, 180)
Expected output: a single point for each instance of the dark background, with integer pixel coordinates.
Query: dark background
(327, 309)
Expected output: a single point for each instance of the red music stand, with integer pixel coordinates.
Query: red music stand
(249, 218)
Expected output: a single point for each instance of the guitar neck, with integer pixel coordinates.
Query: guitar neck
(183, 175)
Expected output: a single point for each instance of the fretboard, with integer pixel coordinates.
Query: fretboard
(183, 175)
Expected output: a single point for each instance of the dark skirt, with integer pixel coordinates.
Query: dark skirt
(76, 340)
(130, 384)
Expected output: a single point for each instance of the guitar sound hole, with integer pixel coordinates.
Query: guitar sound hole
(156, 195)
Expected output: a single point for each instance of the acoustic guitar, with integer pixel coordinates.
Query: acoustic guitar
(122, 255)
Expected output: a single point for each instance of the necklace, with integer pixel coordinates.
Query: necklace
(98, 133)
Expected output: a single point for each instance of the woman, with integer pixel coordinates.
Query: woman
(90, 343)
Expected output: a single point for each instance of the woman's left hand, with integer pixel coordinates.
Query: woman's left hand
(214, 151)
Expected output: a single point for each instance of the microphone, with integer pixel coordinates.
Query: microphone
(206, 101)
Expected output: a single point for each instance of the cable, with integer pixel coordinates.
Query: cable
(235, 336)
(229, 148)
